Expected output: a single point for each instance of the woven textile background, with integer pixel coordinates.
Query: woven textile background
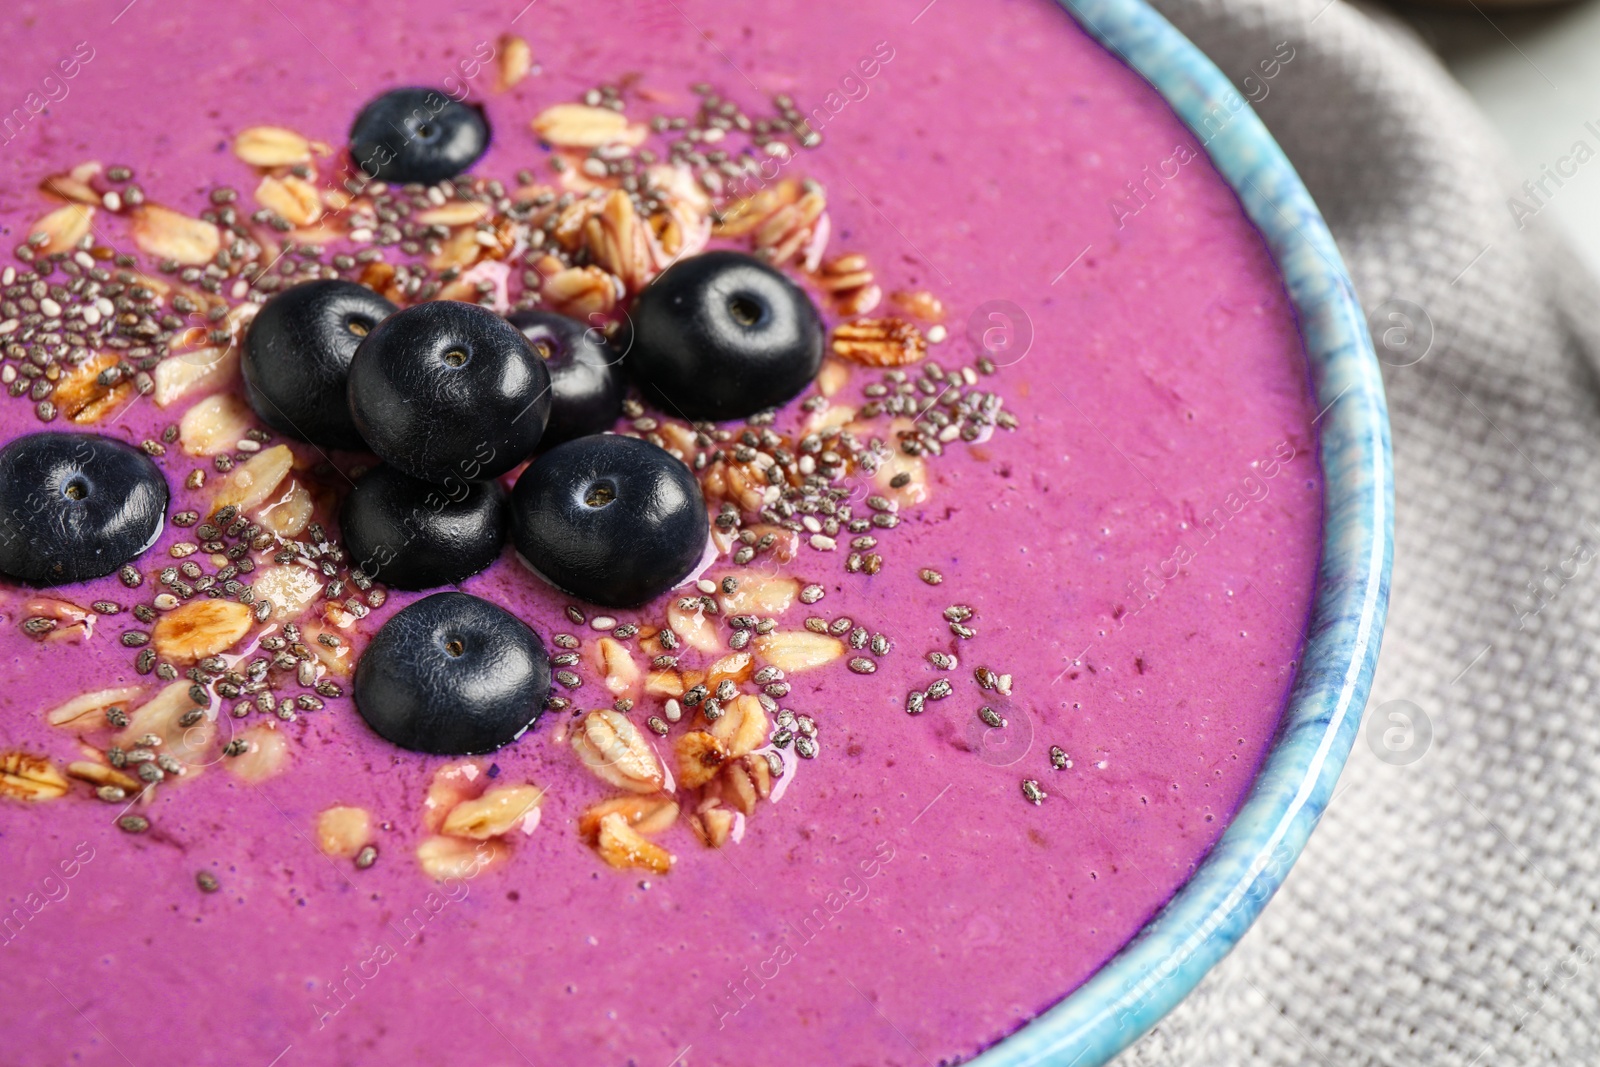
(1445, 911)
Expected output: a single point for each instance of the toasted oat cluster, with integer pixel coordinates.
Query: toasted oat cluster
(256, 618)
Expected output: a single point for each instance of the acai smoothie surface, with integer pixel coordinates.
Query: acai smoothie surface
(910, 609)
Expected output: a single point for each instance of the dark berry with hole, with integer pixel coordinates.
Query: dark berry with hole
(412, 534)
(454, 675)
(449, 392)
(75, 507)
(611, 519)
(722, 335)
(417, 135)
(586, 381)
(296, 358)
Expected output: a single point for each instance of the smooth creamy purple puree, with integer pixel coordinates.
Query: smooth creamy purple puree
(1137, 554)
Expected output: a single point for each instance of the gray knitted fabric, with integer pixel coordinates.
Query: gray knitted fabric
(1444, 912)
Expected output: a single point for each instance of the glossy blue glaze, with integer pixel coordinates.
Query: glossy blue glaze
(1211, 912)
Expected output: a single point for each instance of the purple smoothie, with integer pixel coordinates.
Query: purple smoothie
(1138, 555)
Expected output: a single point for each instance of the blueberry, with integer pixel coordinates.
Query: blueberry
(75, 507)
(416, 535)
(448, 391)
(586, 383)
(297, 355)
(614, 520)
(417, 135)
(453, 675)
(722, 336)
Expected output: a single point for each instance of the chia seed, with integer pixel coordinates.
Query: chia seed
(805, 747)
(1058, 758)
(1031, 790)
(133, 824)
(207, 882)
(366, 857)
(991, 717)
(940, 689)
(863, 665)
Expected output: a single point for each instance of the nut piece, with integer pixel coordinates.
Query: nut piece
(291, 589)
(686, 617)
(647, 815)
(581, 126)
(622, 846)
(743, 726)
(81, 396)
(452, 784)
(266, 754)
(87, 711)
(919, 304)
(167, 234)
(885, 342)
(516, 60)
(25, 777)
(617, 664)
(715, 826)
(798, 650)
(290, 513)
(63, 228)
(214, 425)
(193, 371)
(271, 146)
(200, 628)
(293, 198)
(614, 749)
(700, 757)
(343, 831)
(496, 813)
(248, 487)
(455, 857)
(580, 292)
(760, 594)
(98, 774)
(455, 213)
(163, 715)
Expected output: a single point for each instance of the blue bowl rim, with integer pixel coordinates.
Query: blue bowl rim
(1209, 914)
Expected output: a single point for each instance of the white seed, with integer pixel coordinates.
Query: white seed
(822, 543)
(603, 623)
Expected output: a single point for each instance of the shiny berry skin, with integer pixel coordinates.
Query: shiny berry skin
(296, 358)
(411, 534)
(613, 520)
(75, 507)
(586, 381)
(448, 392)
(720, 336)
(453, 675)
(417, 135)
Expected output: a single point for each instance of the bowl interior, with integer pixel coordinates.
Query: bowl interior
(1211, 912)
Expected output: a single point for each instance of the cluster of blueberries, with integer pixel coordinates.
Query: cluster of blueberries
(451, 396)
